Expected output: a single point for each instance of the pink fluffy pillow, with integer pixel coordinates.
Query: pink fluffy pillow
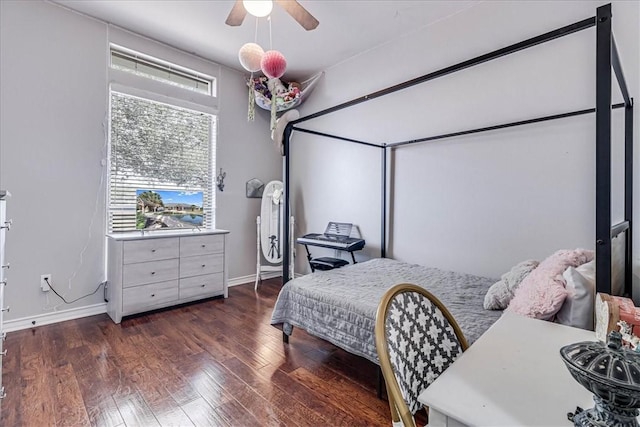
(542, 293)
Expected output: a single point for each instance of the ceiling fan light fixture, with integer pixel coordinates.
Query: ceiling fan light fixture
(258, 8)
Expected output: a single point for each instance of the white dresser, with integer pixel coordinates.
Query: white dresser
(156, 270)
(5, 225)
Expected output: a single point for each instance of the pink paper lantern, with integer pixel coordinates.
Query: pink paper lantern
(250, 56)
(273, 64)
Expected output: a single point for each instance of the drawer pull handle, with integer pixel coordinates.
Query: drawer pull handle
(7, 266)
(3, 282)
(7, 309)
(204, 246)
(153, 250)
(153, 272)
(7, 225)
(4, 336)
(203, 265)
(2, 393)
(153, 295)
(202, 286)
(4, 353)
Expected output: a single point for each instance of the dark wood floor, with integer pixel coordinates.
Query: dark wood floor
(218, 362)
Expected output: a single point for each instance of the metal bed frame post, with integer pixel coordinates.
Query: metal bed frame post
(628, 196)
(607, 58)
(383, 214)
(628, 165)
(603, 149)
(287, 208)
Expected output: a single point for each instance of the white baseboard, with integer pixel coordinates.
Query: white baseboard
(53, 317)
(92, 310)
(251, 278)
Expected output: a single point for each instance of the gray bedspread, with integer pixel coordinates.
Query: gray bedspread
(340, 305)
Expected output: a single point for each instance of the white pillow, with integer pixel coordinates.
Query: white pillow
(578, 308)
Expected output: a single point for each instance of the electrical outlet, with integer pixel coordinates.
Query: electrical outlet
(43, 283)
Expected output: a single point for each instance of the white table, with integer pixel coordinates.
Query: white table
(512, 375)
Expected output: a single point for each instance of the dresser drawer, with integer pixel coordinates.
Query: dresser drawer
(201, 286)
(201, 264)
(149, 272)
(148, 297)
(199, 245)
(150, 250)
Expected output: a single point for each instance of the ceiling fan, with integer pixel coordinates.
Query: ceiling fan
(292, 7)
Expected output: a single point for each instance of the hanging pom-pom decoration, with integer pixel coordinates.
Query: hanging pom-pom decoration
(251, 113)
(250, 56)
(274, 108)
(273, 65)
(276, 88)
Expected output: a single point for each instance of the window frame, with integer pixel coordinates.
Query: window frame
(146, 88)
(209, 190)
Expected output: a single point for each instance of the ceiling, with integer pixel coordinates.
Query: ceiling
(347, 28)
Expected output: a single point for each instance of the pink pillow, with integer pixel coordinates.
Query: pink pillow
(542, 292)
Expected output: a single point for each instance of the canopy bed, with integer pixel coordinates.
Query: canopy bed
(326, 309)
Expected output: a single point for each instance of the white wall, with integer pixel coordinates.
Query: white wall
(477, 204)
(247, 152)
(53, 113)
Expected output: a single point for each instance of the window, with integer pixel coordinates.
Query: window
(145, 66)
(159, 146)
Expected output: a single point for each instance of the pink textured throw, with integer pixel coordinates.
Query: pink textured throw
(542, 292)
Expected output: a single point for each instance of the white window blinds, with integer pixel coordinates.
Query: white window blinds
(152, 68)
(156, 146)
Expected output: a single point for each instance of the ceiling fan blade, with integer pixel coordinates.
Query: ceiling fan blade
(237, 14)
(299, 13)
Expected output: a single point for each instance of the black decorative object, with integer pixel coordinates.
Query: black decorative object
(612, 374)
(220, 180)
(254, 188)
